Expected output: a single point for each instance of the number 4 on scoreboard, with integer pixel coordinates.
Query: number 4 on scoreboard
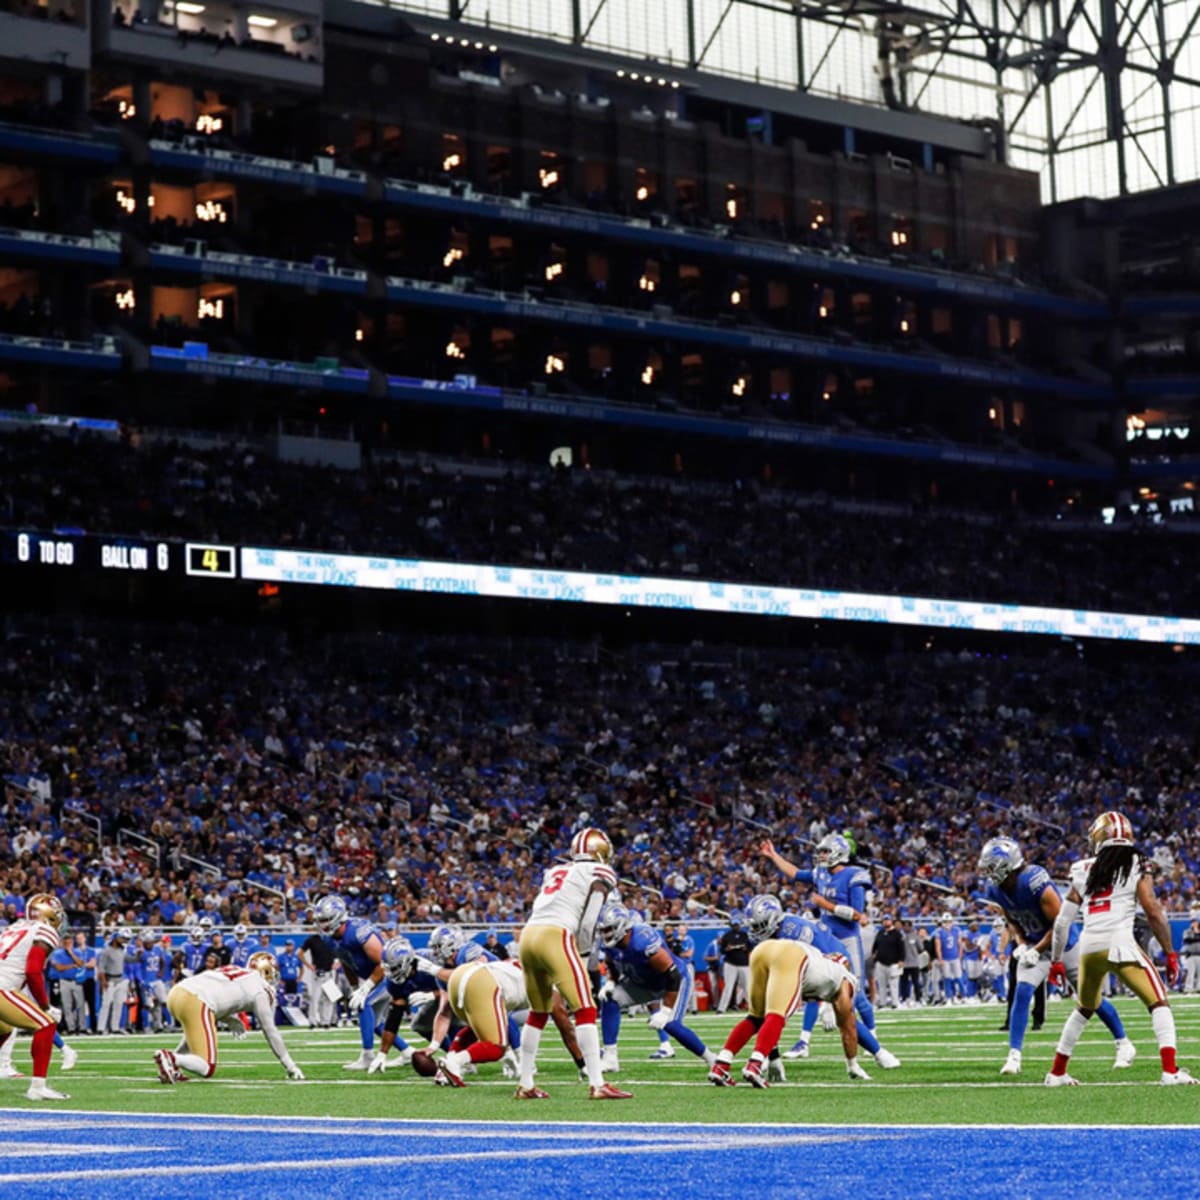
(212, 562)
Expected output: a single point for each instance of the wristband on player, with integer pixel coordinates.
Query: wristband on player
(844, 911)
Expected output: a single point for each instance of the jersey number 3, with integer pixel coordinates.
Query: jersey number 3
(556, 880)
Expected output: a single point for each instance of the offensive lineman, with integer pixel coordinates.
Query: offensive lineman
(1110, 886)
(553, 950)
(783, 975)
(1031, 905)
(199, 1001)
(24, 948)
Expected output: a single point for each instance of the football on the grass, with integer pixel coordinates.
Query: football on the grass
(424, 1063)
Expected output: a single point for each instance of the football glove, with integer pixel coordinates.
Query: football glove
(660, 1018)
(1172, 968)
(605, 991)
(293, 1071)
(1028, 957)
(855, 1071)
(1058, 976)
(55, 1014)
(427, 967)
(358, 997)
(378, 1064)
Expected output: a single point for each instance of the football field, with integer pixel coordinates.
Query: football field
(944, 1124)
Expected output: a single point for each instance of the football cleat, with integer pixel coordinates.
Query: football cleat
(445, 1078)
(8, 1071)
(719, 1074)
(665, 1050)
(1012, 1064)
(1180, 1076)
(41, 1091)
(510, 1068)
(168, 1072)
(799, 1050)
(886, 1059)
(404, 1057)
(533, 1093)
(450, 1072)
(753, 1074)
(1126, 1053)
(609, 1063)
(361, 1063)
(776, 1072)
(606, 1091)
(69, 1057)
(1063, 1080)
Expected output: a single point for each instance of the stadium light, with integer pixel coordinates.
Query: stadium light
(261, 22)
(555, 364)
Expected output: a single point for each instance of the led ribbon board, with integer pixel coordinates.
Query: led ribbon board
(631, 591)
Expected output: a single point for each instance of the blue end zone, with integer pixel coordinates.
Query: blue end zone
(64, 1154)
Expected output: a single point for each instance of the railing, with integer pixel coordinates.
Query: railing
(86, 818)
(207, 867)
(143, 845)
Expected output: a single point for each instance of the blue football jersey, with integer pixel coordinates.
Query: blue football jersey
(633, 960)
(154, 965)
(1024, 907)
(848, 885)
(418, 981)
(947, 940)
(815, 933)
(356, 937)
(193, 956)
(241, 951)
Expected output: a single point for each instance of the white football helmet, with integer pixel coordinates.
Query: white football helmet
(240, 932)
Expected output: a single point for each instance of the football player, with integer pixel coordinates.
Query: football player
(553, 950)
(406, 974)
(783, 974)
(24, 948)
(200, 1001)
(1110, 886)
(840, 890)
(642, 970)
(359, 945)
(766, 919)
(485, 993)
(197, 946)
(242, 948)
(1031, 905)
(154, 968)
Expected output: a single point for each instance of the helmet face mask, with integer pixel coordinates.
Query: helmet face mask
(591, 845)
(42, 906)
(399, 960)
(832, 850)
(330, 914)
(1110, 829)
(1000, 858)
(764, 915)
(614, 923)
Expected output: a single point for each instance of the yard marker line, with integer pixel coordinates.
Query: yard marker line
(722, 1144)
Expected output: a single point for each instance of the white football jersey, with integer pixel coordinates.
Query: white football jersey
(15, 944)
(823, 977)
(1110, 913)
(564, 895)
(229, 990)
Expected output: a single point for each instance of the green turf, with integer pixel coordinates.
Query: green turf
(950, 1074)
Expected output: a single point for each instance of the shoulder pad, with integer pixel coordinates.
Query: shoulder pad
(861, 875)
(646, 940)
(469, 953)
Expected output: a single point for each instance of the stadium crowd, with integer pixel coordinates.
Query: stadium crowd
(557, 519)
(429, 779)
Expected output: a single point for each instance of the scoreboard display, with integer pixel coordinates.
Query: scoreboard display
(72, 553)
